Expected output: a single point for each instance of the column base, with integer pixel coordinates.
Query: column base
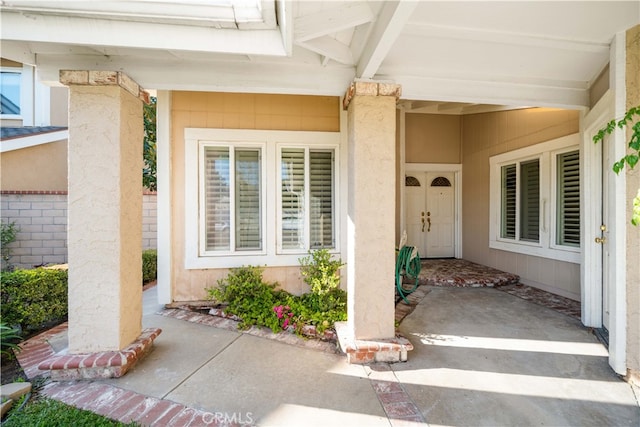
(101, 365)
(362, 352)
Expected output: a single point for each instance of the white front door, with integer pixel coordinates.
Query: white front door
(440, 215)
(416, 219)
(430, 213)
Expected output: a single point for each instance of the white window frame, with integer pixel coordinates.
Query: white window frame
(26, 95)
(307, 229)
(271, 141)
(233, 146)
(547, 153)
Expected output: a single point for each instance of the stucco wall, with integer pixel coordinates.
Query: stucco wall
(633, 233)
(41, 167)
(488, 134)
(235, 111)
(433, 138)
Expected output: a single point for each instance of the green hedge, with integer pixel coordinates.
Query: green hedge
(149, 265)
(33, 298)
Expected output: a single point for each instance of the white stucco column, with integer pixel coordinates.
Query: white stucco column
(105, 210)
(371, 110)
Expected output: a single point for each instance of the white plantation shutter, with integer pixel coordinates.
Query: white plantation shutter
(292, 166)
(530, 200)
(247, 199)
(508, 223)
(217, 199)
(321, 191)
(568, 181)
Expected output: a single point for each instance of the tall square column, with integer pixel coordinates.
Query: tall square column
(104, 211)
(369, 334)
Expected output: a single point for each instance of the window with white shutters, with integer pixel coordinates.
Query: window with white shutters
(307, 199)
(530, 200)
(535, 200)
(568, 199)
(256, 197)
(232, 199)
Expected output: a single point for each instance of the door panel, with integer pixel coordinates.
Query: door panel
(430, 213)
(415, 208)
(440, 215)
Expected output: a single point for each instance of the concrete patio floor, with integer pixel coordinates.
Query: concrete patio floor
(481, 357)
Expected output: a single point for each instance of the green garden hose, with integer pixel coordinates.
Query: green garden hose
(407, 265)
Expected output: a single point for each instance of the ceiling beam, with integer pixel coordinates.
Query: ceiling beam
(18, 51)
(144, 35)
(332, 20)
(241, 76)
(490, 92)
(434, 31)
(445, 106)
(387, 28)
(331, 48)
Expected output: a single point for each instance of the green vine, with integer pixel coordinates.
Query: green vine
(630, 158)
(149, 179)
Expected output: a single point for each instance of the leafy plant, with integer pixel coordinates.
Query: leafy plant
(8, 234)
(9, 338)
(32, 298)
(149, 265)
(262, 304)
(149, 145)
(249, 297)
(631, 158)
(320, 271)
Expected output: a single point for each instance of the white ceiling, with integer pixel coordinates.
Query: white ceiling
(507, 53)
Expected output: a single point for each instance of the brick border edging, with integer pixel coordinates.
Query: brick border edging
(105, 399)
(127, 406)
(232, 325)
(105, 364)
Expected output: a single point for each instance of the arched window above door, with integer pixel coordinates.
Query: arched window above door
(411, 181)
(441, 181)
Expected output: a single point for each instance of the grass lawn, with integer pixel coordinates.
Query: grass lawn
(50, 413)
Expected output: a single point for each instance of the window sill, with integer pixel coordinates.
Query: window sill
(234, 261)
(568, 255)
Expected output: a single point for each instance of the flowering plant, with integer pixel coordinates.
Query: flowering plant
(284, 314)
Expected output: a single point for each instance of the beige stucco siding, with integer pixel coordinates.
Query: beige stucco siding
(59, 102)
(235, 111)
(485, 135)
(633, 233)
(433, 138)
(41, 167)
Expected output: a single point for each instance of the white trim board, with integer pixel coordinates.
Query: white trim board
(33, 140)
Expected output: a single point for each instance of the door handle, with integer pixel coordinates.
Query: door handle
(423, 224)
(429, 221)
(601, 240)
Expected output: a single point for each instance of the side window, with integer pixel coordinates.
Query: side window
(231, 199)
(535, 200)
(568, 199)
(10, 79)
(307, 193)
(520, 201)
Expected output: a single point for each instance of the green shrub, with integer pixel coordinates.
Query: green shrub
(320, 271)
(262, 304)
(249, 297)
(32, 298)
(149, 265)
